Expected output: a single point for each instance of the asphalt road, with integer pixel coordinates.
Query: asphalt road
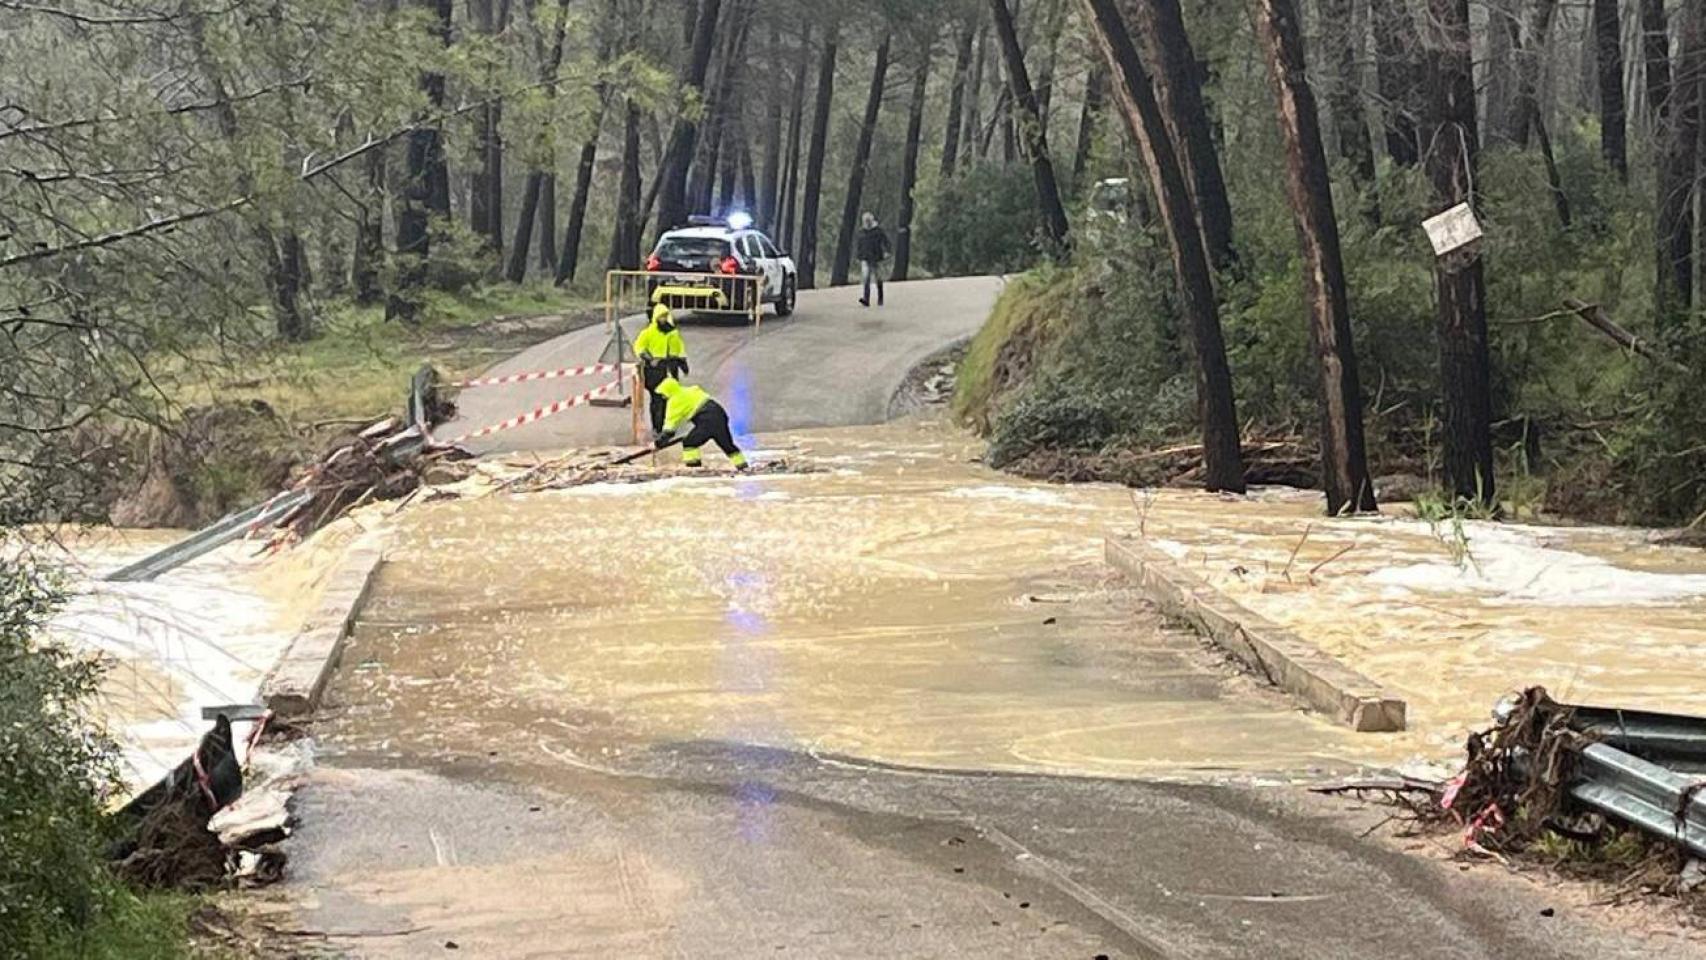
(833, 363)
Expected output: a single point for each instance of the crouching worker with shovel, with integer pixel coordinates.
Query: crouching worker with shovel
(703, 419)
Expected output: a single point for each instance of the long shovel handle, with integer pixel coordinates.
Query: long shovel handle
(630, 458)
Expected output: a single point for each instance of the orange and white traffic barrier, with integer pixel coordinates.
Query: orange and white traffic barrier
(533, 416)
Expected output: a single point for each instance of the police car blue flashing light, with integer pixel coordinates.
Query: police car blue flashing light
(740, 220)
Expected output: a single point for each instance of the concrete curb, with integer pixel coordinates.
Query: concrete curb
(294, 686)
(1284, 658)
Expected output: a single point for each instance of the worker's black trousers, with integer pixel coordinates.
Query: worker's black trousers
(654, 374)
(711, 425)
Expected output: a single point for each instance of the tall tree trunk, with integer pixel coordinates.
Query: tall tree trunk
(678, 155)
(1222, 458)
(748, 182)
(1095, 91)
(1344, 88)
(1029, 125)
(1344, 464)
(1608, 56)
(770, 170)
(814, 160)
(568, 263)
(1397, 71)
(1054, 25)
(796, 124)
(1500, 82)
(909, 164)
(973, 134)
(540, 186)
(486, 203)
(957, 100)
(1530, 46)
(369, 248)
(1460, 307)
(1674, 292)
(1655, 51)
(625, 238)
(1178, 88)
(426, 189)
(702, 182)
(861, 158)
(548, 223)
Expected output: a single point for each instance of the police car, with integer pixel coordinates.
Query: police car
(701, 254)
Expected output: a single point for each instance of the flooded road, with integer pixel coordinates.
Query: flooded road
(902, 605)
(893, 706)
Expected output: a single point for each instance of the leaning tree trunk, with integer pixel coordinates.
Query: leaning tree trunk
(1344, 464)
(625, 237)
(548, 223)
(536, 192)
(861, 158)
(1028, 124)
(814, 160)
(568, 262)
(678, 155)
(1222, 458)
(1460, 303)
(788, 202)
(1674, 291)
(909, 164)
(1178, 89)
(1608, 56)
(1095, 90)
(702, 183)
(1397, 69)
(957, 101)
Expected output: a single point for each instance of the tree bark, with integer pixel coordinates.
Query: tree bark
(1530, 47)
(486, 199)
(1460, 309)
(1344, 88)
(1055, 24)
(1028, 124)
(369, 248)
(516, 269)
(814, 160)
(1674, 291)
(1608, 55)
(426, 188)
(1223, 460)
(788, 202)
(1344, 463)
(861, 159)
(678, 155)
(625, 237)
(536, 190)
(548, 223)
(703, 182)
(770, 169)
(909, 164)
(973, 133)
(1655, 51)
(1095, 91)
(1397, 69)
(957, 100)
(1178, 90)
(568, 263)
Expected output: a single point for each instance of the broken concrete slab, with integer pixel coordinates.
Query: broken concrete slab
(1272, 651)
(295, 685)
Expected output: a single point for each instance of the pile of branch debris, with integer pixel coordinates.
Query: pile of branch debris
(582, 467)
(1280, 460)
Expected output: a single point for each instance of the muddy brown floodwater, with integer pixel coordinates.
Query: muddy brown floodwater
(903, 605)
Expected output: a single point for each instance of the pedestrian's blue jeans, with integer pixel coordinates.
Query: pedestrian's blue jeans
(872, 270)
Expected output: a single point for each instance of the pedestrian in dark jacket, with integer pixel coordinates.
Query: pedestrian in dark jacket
(873, 251)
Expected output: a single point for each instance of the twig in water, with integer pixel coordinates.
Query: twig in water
(1347, 548)
(1286, 572)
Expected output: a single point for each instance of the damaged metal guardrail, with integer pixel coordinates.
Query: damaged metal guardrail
(1650, 796)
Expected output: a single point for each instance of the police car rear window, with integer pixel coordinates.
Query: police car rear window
(692, 248)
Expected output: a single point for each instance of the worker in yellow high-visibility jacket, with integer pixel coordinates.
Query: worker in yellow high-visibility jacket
(663, 354)
(691, 409)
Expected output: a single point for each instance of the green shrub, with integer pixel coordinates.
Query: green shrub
(982, 221)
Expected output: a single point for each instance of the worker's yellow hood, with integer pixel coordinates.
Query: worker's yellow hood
(669, 387)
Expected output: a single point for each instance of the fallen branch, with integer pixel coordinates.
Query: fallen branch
(1595, 316)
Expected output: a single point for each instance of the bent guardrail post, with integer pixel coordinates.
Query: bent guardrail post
(1658, 800)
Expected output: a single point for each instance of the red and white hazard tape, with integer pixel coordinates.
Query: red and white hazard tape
(585, 371)
(533, 416)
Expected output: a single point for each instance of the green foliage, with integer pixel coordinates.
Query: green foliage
(984, 220)
(56, 897)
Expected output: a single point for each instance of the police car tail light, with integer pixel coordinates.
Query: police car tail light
(730, 266)
(653, 263)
